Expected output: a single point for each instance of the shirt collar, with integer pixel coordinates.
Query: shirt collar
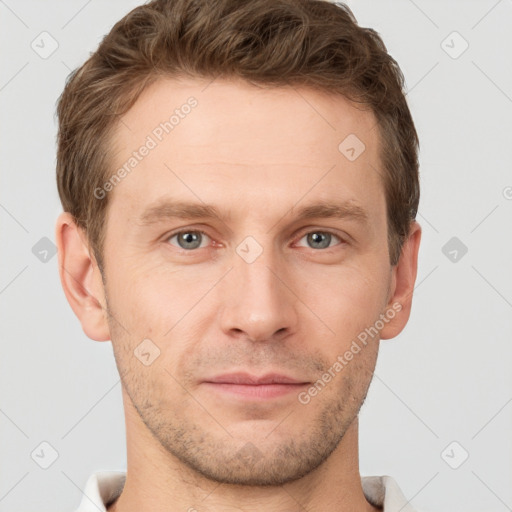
(103, 487)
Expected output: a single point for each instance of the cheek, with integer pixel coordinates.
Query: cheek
(346, 298)
(161, 301)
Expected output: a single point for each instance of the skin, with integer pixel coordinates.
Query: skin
(259, 155)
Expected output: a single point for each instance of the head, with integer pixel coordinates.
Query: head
(240, 185)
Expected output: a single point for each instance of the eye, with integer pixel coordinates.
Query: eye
(320, 239)
(189, 239)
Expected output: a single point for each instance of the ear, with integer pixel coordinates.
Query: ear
(402, 285)
(80, 278)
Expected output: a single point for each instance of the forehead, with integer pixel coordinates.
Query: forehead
(246, 118)
(223, 141)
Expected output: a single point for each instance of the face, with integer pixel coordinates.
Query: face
(244, 254)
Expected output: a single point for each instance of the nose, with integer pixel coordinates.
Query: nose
(259, 303)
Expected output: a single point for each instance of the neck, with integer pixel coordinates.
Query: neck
(156, 480)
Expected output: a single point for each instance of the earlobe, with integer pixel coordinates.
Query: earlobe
(399, 304)
(81, 278)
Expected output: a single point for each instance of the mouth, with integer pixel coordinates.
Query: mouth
(253, 387)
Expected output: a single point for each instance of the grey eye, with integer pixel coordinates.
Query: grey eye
(189, 240)
(319, 239)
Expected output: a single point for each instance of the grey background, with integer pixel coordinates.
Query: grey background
(446, 378)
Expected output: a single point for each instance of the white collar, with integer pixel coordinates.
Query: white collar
(103, 487)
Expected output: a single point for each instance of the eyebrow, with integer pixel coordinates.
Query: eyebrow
(168, 210)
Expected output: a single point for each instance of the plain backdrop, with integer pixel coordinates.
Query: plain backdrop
(438, 417)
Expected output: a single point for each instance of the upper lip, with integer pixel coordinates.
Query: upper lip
(247, 378)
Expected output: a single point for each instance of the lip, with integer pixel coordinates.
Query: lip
(248, 386)
(253, 380)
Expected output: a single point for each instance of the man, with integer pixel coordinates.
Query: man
(240, 184)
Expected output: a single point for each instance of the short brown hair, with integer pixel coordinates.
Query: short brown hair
(312, 43)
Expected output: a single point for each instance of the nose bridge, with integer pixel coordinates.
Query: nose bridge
(259, 303)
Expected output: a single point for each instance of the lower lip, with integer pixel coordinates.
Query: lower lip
(256, 392)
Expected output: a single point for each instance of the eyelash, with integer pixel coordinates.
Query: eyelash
(192, 251)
